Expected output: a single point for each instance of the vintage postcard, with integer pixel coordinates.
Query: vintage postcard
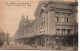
(39, 24)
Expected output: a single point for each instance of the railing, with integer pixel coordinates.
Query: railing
(64, 24)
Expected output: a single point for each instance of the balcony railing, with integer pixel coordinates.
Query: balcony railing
(64, 24)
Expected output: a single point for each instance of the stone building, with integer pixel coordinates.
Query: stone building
(3, 36)
(56, 19)
(54, 24)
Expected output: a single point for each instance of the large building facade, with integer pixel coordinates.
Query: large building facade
(54, 23)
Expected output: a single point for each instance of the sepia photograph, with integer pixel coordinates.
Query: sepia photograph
(39, 25)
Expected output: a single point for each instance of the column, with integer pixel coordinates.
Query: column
(46, 22)
(66, 31)
(60, 31)
(38, 22)
(51, 21)
(60, 18)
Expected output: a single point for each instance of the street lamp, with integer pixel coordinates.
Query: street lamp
(7, 38)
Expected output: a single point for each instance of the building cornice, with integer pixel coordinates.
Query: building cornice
(47, 3)
(39, 7)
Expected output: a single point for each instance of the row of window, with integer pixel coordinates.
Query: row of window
(63, 20)
(63, 31)
(62, 14)
(58, 14)
(60, 31)
(62, 17)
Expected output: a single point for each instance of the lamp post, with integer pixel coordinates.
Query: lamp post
(7, 38)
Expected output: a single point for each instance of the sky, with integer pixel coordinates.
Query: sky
(10, 16)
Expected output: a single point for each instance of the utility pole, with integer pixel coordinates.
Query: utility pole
(23, 28)
(7, 38)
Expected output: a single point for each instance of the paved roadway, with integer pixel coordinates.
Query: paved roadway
(13, 46)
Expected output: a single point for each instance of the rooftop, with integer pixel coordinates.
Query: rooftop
(46, 2)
